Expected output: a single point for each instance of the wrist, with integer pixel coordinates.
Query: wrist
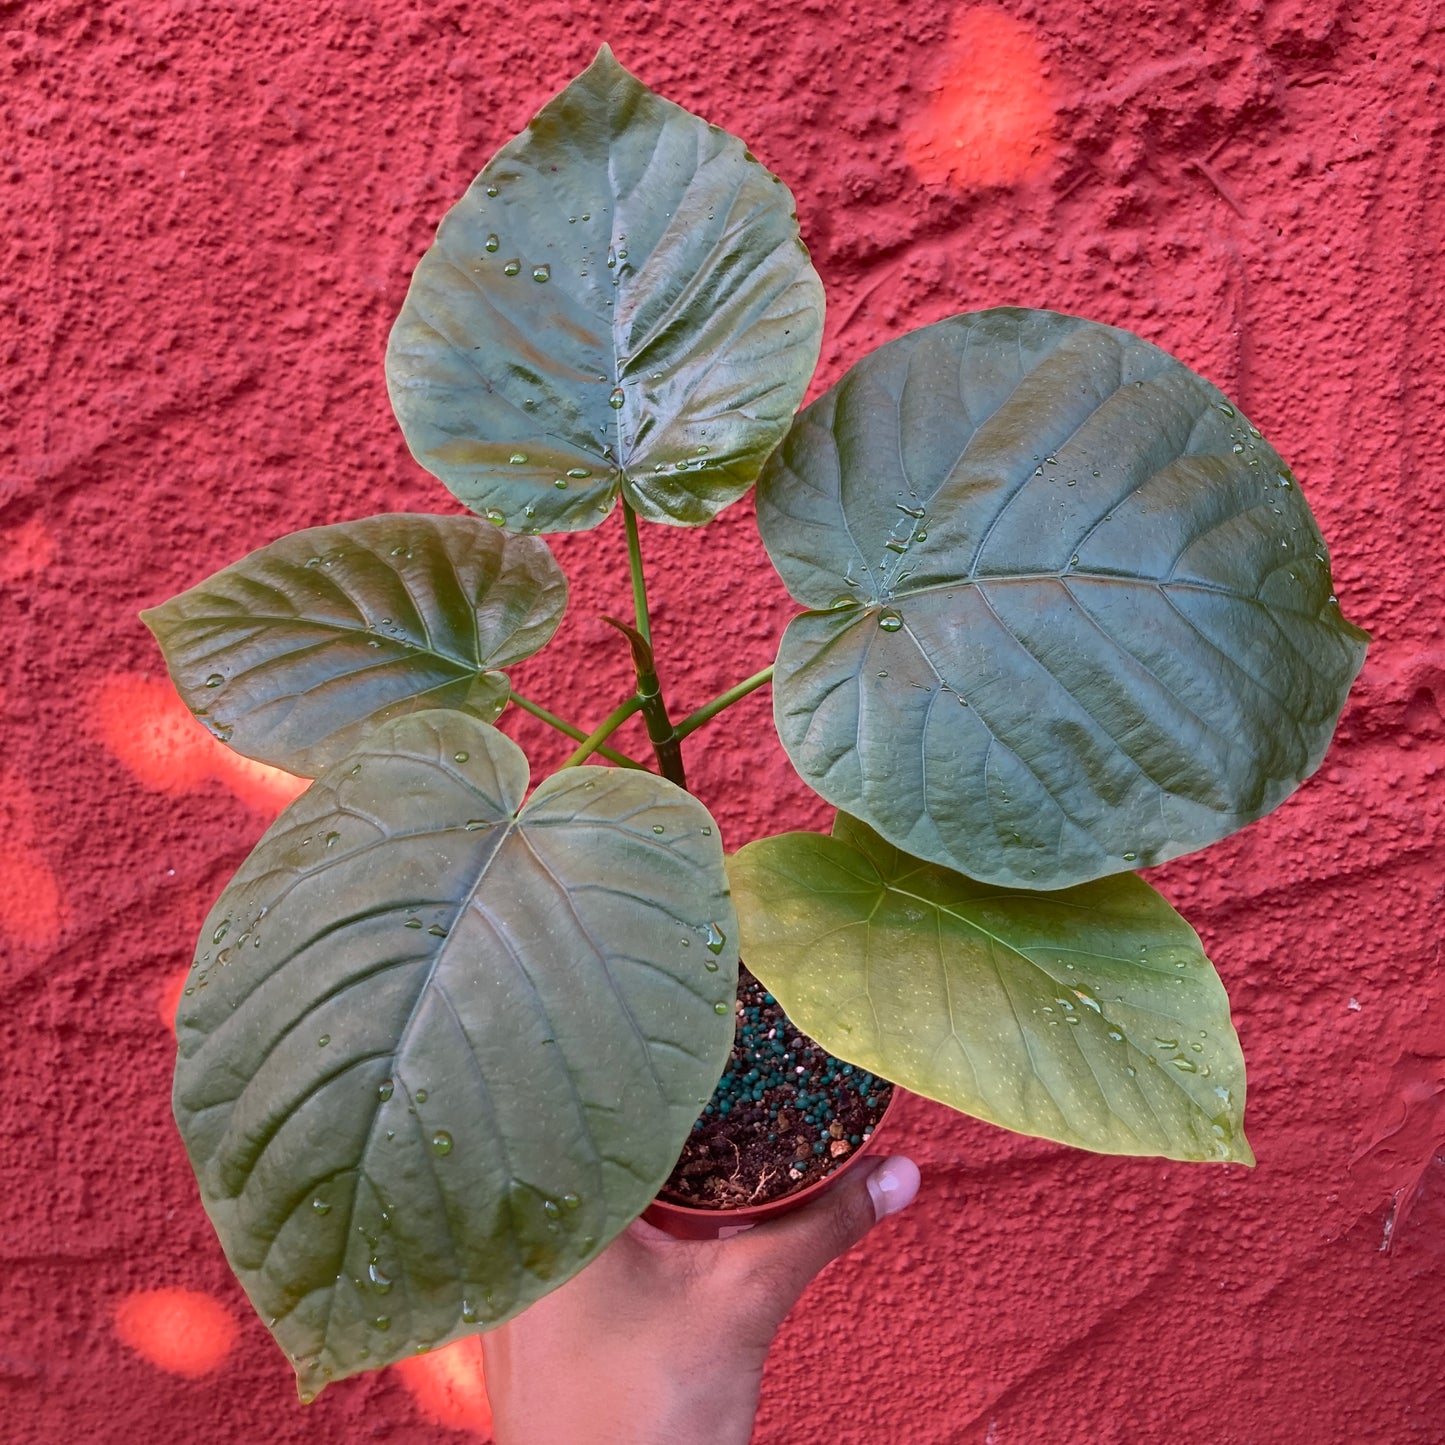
(611, 1397)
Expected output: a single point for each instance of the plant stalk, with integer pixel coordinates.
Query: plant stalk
(666, 743)
(639, 583)
(710, 710)
(592, 743)
(572, 731)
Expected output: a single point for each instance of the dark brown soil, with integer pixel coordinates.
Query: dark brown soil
(785, 1114)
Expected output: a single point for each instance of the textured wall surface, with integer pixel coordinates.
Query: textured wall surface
(208, 216)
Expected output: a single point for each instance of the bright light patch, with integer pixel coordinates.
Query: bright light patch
(31, 909)
(449, 1386)
(152, 732)
(29, 899)
(179, 1330)
(259, 785)
(989, 121)
(29, 549)
(169, 998)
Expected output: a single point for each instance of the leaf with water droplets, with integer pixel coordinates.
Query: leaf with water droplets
(681, 317)
(541, 1039)
(294, 652)
(1151, 657)
(1036, 1011)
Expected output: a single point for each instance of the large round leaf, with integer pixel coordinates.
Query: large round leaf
(1072, 614)
(293, 652)
(439, 1048)
(1090, 1016)
(621, 302)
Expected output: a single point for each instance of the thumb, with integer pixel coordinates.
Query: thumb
(791, 1250)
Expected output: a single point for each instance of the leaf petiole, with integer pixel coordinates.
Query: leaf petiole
(660, 732)
(592, 743)
(572, 731)
(710, 710)
(634, 564)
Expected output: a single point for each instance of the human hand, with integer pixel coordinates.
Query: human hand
(661, 1341)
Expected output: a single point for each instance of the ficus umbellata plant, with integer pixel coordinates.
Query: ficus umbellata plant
(1064, 613)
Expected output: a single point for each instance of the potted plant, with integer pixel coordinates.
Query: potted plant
(1064, 613)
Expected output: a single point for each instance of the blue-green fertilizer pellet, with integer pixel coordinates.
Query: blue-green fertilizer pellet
(784, 1114)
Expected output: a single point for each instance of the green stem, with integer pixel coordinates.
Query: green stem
(710, 710)
(666, 744)
(572, 731)
(660, 732)
(634, 563)
(592, 743)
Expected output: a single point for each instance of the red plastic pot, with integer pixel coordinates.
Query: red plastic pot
(684, 1222)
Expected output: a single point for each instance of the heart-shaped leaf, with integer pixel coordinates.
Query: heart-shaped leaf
(1090, 1016)
(620, 303)
(438, 1048)
(294, 652)
(1073, 614)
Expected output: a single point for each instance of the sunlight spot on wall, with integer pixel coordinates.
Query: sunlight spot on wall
(449, 1386)
(168, 999)
(179, 1330)
(29, 549)
(31, 907)
(29, 899)
(989, 120)
(259, 785)
(150, 730)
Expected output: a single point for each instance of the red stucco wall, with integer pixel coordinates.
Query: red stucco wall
(208, 215)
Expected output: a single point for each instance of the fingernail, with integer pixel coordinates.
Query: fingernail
(893, 1185)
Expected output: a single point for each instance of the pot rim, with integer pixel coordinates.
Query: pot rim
(684, 1221)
